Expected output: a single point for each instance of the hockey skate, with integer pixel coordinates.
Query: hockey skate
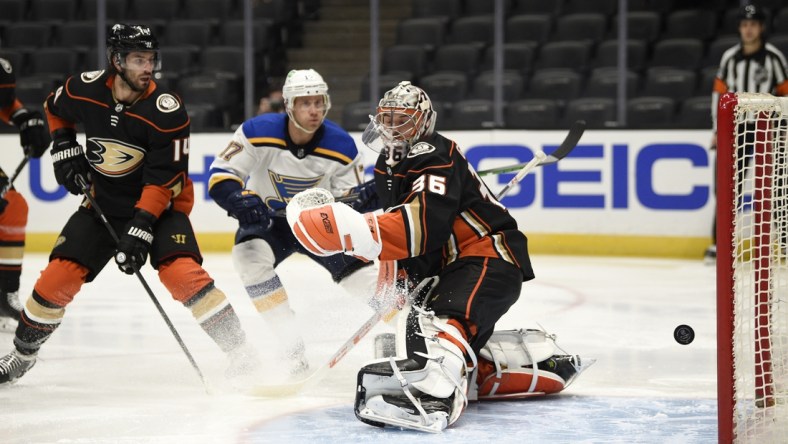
(427, 414)
(14, 365)
(244, 361)
(296, 359)
(9, 311)
(710, 256)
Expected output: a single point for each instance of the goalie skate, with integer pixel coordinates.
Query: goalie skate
(398, 411)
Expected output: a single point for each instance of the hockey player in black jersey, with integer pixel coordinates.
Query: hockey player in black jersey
(441, 223)
(135, 161)
(34, 139)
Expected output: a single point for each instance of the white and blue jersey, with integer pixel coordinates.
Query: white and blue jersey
(262, 158)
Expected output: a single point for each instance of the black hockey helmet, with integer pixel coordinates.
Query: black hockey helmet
(124, 38)
(752, 12)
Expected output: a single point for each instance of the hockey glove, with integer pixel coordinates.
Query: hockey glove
(135, 242)
(249, 209)
(69, 160)
(367, 199)
(33, 134)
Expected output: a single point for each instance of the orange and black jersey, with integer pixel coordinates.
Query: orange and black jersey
(129, 146)
(439, 210)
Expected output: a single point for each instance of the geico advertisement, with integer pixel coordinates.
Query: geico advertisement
(651, 183)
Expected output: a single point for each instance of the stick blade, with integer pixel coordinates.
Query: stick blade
(289, 388)
(570, 142)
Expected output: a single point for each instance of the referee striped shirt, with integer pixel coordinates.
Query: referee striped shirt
(765, 71)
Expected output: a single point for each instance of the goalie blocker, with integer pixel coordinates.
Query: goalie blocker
(430, 394)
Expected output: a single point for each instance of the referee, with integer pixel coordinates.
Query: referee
(752, 65)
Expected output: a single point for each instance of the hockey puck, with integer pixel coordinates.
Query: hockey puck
(684, 334)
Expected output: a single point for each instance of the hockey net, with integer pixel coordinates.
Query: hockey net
(752, 274)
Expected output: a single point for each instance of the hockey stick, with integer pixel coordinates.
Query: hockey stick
(292, 388)
(18, 170)
(86, 191)
(570, 142)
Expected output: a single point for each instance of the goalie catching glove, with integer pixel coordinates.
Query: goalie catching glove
(135, 242)
(330, 228)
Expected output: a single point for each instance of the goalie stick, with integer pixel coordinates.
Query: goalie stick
(570, 142)
(540, 158)
(387, 279)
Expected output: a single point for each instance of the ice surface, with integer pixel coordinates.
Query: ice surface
(113, 372)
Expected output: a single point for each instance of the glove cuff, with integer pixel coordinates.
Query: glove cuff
(143, 216)
(141, 227)
(20, 116)
(64, 135)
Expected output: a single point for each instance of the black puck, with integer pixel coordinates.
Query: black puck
(684, 334)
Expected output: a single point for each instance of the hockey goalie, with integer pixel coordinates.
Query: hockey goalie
(448, 233)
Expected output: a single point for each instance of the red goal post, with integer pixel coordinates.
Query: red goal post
(752, 275)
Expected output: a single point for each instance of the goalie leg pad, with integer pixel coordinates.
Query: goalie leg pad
(507, 370)
(426, 391)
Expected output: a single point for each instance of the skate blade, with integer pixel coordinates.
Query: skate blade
(399, 418)
(435, 427)
(510, 396)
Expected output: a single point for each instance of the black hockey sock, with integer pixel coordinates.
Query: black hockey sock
(30, 334)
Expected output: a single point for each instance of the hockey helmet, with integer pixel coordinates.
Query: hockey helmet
(404, 115)
(303, 83)
(752, 12)
(123, 39)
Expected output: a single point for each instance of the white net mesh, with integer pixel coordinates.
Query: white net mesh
(760, 273)
(309, 198)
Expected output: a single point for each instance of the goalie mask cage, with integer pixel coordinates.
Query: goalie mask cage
(752, 275)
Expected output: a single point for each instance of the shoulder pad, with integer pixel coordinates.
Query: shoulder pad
(163, 109)
(265, 125)
(167, 103)
(91, 76)
(337, 139)
(419, 149)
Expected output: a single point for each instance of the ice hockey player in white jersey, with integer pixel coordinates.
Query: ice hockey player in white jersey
(269, 159)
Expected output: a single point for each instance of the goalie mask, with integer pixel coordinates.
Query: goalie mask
(304, 83)
(404, 116)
